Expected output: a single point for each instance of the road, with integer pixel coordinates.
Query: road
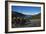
(34, 23)
(31, 23)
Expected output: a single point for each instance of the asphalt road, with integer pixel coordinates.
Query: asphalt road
(34, 23)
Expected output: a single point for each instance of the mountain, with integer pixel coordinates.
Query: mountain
(38, 16)
(17, 14)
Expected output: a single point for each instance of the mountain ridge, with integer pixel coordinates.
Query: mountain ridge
(17, 14)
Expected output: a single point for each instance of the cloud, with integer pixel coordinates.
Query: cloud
(30, 13)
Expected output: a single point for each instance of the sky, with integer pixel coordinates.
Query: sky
(27, 10)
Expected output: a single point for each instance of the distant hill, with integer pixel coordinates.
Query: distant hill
(38, 16)
(17, 14)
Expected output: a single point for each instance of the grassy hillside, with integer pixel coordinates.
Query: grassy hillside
(36, 16)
